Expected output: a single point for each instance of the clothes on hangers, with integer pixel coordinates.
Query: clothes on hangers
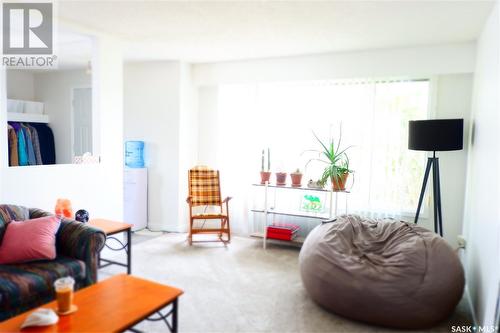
(13, 154)
(21, 147)
(47, 143)
(36, 145)
(30, 144)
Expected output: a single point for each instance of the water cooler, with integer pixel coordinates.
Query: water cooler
(135, 186)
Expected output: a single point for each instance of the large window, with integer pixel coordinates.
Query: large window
(374, 119)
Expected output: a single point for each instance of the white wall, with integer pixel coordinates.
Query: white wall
(452, 99)
(54, 89)
(152, 108)
(188, 139)
(97, 188)
(482, 216)
(160, 109)
(20, 85)
(417, 61)
(208, 124)
(107, 83)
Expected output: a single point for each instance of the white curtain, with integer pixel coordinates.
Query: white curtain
(282, 116)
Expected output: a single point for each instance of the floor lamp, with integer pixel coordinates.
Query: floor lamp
(434, 135)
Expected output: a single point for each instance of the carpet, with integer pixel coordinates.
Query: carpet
(240, 288)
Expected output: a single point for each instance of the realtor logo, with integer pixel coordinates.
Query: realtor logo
(28, 35)
(27, 28)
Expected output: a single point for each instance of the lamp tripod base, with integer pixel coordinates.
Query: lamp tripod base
(432, 163)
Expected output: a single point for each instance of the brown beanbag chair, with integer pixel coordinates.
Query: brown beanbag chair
(383, 272)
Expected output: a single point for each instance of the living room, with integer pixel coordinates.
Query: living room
(303, 135)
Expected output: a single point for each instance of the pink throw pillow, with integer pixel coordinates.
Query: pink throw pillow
(29, 240)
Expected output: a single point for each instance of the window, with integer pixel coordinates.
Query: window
(374, 120)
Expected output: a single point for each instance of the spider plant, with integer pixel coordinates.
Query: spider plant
(335, 159)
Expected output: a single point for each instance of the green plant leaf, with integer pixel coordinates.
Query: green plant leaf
(336, 159)
(322, 144)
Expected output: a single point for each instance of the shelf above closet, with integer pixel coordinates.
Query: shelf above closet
(27, 117)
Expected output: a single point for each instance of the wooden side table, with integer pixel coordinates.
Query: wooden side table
(111, 228)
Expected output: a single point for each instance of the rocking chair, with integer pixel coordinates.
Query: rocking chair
(204, 191)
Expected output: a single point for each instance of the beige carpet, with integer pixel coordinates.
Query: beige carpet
(241, 288)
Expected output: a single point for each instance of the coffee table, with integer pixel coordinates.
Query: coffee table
(111, 228)
(112, 305)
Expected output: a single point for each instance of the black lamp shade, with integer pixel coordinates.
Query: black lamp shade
(436, 134)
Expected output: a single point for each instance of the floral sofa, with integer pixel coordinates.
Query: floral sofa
(28, 285)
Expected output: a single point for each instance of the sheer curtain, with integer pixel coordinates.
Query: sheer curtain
(373, 117)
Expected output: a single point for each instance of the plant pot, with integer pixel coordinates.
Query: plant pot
(265, 176)
(280, 178)
(338, 184)
(296, 179)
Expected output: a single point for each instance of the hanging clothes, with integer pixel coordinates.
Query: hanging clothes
(46, 141)
(36, 144)
(21, 144)
(29, 145)
(13, 155)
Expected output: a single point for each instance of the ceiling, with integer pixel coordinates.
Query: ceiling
(207, 31)
(74, 50)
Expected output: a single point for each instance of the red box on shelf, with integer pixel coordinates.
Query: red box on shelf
(282, 231)
(272, 235)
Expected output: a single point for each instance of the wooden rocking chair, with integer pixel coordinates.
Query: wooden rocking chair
(204, 191)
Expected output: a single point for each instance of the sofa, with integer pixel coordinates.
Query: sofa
(28, 285)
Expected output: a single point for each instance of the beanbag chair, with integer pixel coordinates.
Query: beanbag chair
(384, 272)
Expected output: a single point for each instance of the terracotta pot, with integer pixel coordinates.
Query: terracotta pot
(296, 179)
(265, 176)
(280, 178)
(338, 184)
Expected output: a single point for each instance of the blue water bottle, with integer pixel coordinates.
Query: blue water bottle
(134, 154)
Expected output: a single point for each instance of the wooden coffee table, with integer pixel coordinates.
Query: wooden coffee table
(112, 305)
(111, 228)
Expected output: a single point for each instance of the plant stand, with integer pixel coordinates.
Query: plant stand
(271, 210)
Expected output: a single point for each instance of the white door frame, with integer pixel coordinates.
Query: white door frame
(72, 117)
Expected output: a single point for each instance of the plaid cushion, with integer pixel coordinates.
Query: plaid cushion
(204, 187)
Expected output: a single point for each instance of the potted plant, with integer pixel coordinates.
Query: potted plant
(296, 178)
(280, 178)
(265, 175)
(336, 162)
(338, 176)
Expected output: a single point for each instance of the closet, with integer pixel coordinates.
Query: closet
(30, 138)
(49, 116)
(30, 144)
